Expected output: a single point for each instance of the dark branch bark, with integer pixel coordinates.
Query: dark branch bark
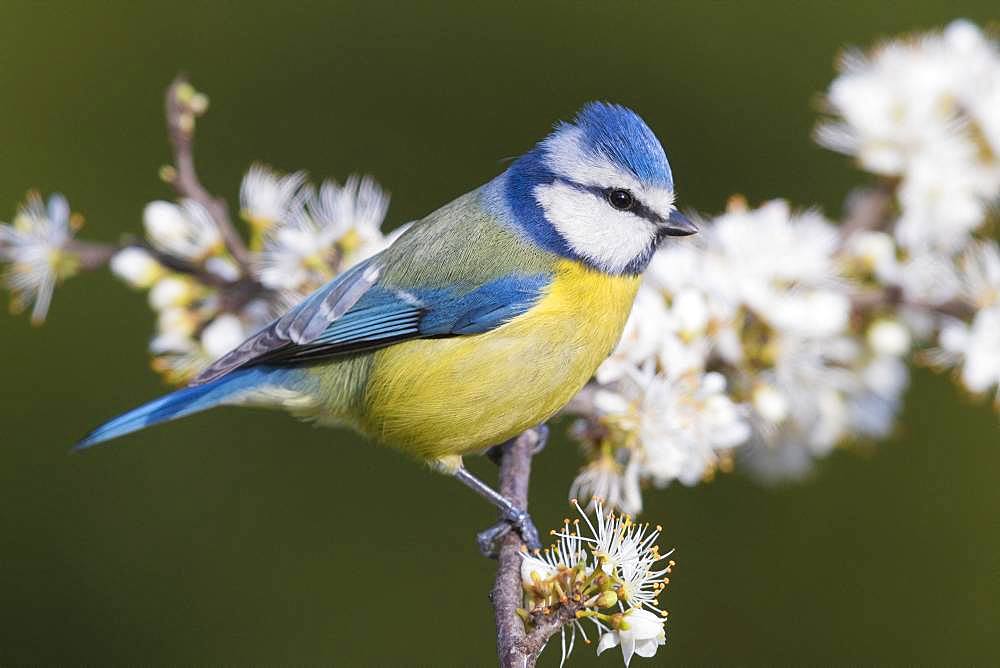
(180, 124)
(515, 471)
(868, 209)
(516, 648)
(92, 255)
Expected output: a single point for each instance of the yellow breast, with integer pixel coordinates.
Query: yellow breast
(450, 396)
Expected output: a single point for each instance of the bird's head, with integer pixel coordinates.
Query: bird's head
(598, 190)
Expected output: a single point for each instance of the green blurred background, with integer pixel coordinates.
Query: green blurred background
(239, 537)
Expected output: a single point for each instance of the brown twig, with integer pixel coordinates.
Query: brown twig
(516, 648)
(868, 208)
(893, 297)
(91, 255)
(515, 471)
(180, 129)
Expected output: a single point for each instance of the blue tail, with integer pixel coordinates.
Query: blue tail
(172, 406)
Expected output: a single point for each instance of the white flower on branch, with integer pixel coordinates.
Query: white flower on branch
(779, 265)
(813, 378)
(136, 267)
(676, 428)
(907, 94)
(295, 253)
(688, 426)
(267, 197)
(185, 231)
(875, 401)
(174, 290)
(944, 196)
(924, 110)
(977, 347)
(641, 634)
(323, 234)
(872, 256)
(928, 279)
(629, 550)
(607, 478)
(607, 569)
(355, 211)
(34, 245)
(888, 337)
(979, 275)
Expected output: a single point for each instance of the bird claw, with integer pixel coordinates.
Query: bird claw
(489, 540)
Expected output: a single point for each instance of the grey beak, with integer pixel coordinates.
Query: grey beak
(678, 225)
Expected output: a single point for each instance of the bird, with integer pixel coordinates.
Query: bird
(482, 320)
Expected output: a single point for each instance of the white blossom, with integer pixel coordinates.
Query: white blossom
(875, 253)
(176, 322)
(355, 212)
(606, 478)
(173, 291)
(642, 635)
(629, 550)
(979, 274)
(874, 402)
(267, 197)
(185, 231)
(779, 265)
(612, 569)
(928, 279)
(136, 267)
(944, 196)
(977, 347)
(922, 110)
(770, 404)
(889, 337)
(34, 246)
(223, 267)
(907, 94)
(807, 412)
(295, 252)
(323, 234)
(683, 424)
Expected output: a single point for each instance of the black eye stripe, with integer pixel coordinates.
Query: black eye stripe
(638, 208)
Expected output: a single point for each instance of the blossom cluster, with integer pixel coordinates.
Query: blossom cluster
(207, 298)
(607, 571)
(206, 302)
(778, 335)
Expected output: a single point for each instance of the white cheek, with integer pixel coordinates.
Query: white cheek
(610, 239)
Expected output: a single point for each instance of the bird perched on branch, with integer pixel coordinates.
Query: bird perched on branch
(482, 320)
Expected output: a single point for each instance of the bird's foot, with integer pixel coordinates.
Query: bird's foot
(519, 520)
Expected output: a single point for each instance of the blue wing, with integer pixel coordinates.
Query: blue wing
(355, 313)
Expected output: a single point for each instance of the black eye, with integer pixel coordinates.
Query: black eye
(620, 198)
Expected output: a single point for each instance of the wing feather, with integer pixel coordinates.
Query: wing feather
(302, 324)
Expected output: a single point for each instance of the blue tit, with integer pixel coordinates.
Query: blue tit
(482, 320)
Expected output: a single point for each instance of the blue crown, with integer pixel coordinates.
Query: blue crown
(612, 131)
(622, 136)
